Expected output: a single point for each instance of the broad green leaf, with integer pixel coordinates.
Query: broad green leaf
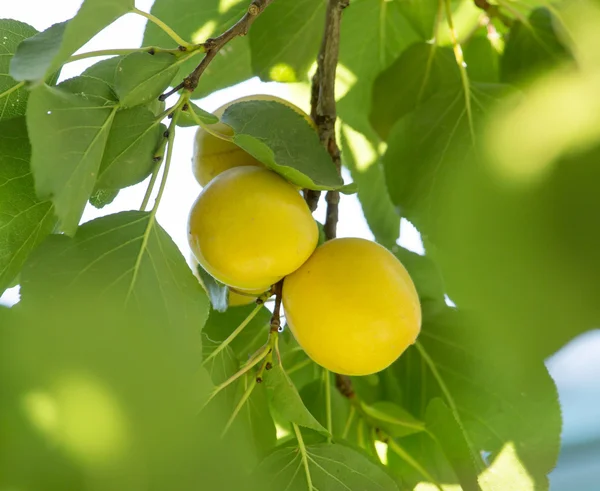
(425, 274)
(142, 77)
(298, 366)
(68, 133)
(373, 34)
(13, 100)
(24, 220)
(256, 417)
(197, 21)
(40, 55)
(532, 48)
(448, 433)
(220, 368)
(106, 70)
(186, 118)
(218, 293)
(427, 145)
(91, 88)
(331, 467)
(220, 325)
(492, 391)
(392, 418)
(283, 140)
(313, 395)
(103, 197)
(482, 59)
(422, 16)
(126, 259)
(129, 155)
(287, 402)
(285, 39)
(421, 71)
(361, 157)
(123, 406)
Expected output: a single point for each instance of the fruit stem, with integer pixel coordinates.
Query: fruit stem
(164, 27)
(233, 335)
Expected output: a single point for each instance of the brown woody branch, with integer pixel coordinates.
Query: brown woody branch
(324, 114)
(323, 109)
(213, 45)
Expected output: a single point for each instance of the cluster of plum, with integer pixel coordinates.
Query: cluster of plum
(350, 303)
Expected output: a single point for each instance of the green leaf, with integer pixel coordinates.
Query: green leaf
(129, 154)
(331, 468)
(531, 48)
(422, 70)
(121, 399)
(392, 418)
(24, 220)
(40, 55)
(492, 391)
(13, 100)
(287, 402)
(220, 325)
(105, 70)
(446, 430)
(142, 77)
(196, 21)
(68, 133)
(482, 59)
(102, 197)
(283, 140)
(127, 259)
(285, 39)
(373, 34)
(361, 157)
(313, 395)
(186, 118)
(217, 291)
(425, 274)
(427, 144)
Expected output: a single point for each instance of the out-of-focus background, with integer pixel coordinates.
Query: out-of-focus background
(575, 369)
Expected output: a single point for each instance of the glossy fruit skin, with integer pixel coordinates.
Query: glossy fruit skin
(213, 155)
(352, 307)
(250, 227)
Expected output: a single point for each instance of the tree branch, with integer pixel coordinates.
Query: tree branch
(213, 45)
(324, 114)
(323, 109)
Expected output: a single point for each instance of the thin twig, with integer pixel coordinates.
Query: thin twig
(323, 109)
(213, 45)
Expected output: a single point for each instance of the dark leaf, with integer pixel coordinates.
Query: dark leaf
(282, 139)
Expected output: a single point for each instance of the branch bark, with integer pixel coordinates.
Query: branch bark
(323, 109)
(324, 114)
(212, 46)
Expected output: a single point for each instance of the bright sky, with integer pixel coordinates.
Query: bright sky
(576, 369)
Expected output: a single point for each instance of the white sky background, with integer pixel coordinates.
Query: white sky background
(576, 369)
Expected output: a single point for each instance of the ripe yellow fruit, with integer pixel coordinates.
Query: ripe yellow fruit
(213, 155)
(352, 307)
(250, 227)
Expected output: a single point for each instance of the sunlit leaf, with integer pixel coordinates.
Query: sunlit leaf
(13, 101)
(40, 55)
(24, 220)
